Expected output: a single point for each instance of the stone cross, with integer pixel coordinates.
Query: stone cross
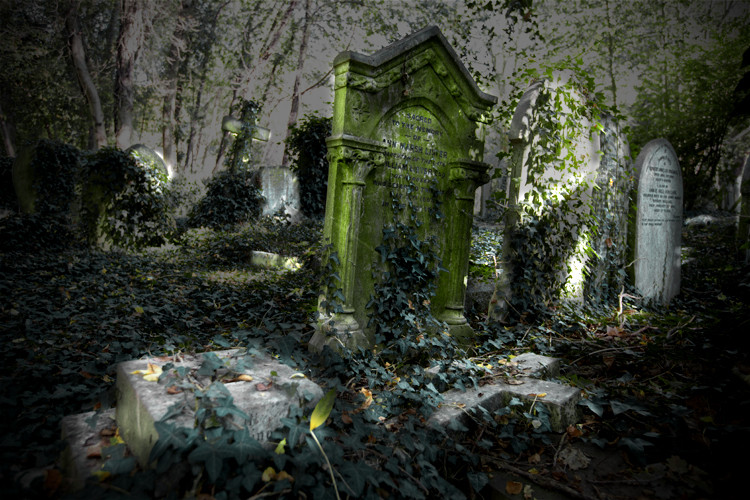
(408, 124)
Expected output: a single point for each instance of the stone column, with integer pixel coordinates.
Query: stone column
(465, 176)
(354, 159)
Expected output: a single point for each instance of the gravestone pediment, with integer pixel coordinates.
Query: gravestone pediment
(408, 127)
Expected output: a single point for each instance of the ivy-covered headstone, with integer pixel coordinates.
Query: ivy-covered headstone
(566, 199)
(657, 223)
(406, 155)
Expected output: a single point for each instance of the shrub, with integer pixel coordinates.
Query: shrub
(307, 144)
(124, 201)
(232, 197)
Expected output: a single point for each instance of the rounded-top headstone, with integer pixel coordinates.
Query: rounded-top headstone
(149, 156)
(657, 237)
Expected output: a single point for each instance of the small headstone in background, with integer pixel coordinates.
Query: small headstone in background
(147, 155)
(656, 240)
(281, 191)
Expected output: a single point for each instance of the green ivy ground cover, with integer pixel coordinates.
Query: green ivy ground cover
(658, 384)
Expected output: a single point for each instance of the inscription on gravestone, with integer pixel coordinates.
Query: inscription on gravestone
(657, 234)
(408, 128)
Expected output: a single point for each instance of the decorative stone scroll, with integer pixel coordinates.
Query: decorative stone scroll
(408, 125)
(657, 224)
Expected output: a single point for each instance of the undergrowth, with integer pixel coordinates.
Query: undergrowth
(70, 315)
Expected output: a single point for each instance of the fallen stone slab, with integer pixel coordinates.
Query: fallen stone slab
(82, 434)
(274, 261)
(523, 383)
(267, 394)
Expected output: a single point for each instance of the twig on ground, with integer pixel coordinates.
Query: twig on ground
(542, 480)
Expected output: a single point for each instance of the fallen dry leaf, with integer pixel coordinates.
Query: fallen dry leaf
(94, 452)
(535, 458)
(173, 389)
(346, 418)
(513, 487)
(608, 359)
(150, 374)
(514, 381)
(573, 431)
(263, 387)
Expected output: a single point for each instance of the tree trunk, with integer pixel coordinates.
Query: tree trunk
(611, 54)
(128, 46)
(295, 93)
(6, 129)
(78, 55)
(267, 50)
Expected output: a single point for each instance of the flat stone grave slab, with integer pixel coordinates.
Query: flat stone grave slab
(267, 394)
(560, 400)
(85, 438)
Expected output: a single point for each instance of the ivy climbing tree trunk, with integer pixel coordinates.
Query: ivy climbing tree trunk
(294, 111)
(78, 55)
(129, 44)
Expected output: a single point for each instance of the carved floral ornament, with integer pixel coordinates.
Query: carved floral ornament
(360, 162)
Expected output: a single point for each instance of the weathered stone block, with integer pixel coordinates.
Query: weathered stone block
(141, 403)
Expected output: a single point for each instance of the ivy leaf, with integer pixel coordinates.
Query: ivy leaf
(477, 480)
(322, 410)
(245, 446)
(211, 363)
(211, 455)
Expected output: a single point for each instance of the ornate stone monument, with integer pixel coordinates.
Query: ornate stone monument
(657, 223)
(408, 126)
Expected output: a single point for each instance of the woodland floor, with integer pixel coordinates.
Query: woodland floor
(667, 403)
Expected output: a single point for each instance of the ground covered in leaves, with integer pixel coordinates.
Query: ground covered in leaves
(664, 414)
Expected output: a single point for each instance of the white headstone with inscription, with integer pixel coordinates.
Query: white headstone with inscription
(657, 231)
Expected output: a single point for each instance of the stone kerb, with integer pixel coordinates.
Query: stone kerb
(408, 125)
(656, 233)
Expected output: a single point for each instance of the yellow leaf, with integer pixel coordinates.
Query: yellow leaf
(298, 375)
(245, 377)
(151, 374)
(101, 474)
(280, 447)
(322, 410)
(284, 475)
(138, 309)
(268, 474)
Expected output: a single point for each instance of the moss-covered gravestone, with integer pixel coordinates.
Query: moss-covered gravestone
(408, 128)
